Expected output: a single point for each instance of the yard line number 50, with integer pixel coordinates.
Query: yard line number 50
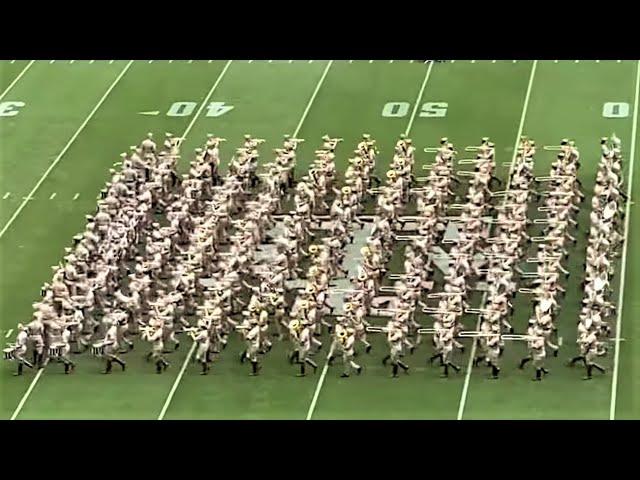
(429, 109)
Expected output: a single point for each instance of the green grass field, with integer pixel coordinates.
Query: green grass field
(63, 124)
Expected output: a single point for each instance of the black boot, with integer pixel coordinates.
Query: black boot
(66, 367)
(538, 375)
(158, 366)
(205, 368)
(254, 368)
(19, 372)
(589, 371)
(598, 367)
(445, 372)
(404, 366)
(121, 363)
(367, 349)
(109, 367)
(243, 356)
(395, 370)
(330, 360)
(494, 372)
(302, 370)
(454, 366)
(295, 356)
(385, 360)
(523, 362)
(312, 363)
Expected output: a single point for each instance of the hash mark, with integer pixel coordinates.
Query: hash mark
(250, 61)
(190, 61)
(270, 61)
(75, 197)
(13, 61)
(473, 61)
(9, 332)
(310, 61)
(53, 195)
(210, 61)
(290, 61)
(51, 61)
(91, 61)
(370, 61)
(71, 61)
(493, 61)
(6, 195)
(150, 61)
(110, 62)
(170, 61)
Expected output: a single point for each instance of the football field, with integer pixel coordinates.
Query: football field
(63, 125)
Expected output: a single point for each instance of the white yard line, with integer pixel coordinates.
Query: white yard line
(15, 80)
(42, 179)
(472, 354)
(417, 104)
(312, 99)
(205, 101)
(616, 360)
(174, 387)
(64, 150)
(316, 393)
(178, 379)
(18, 409)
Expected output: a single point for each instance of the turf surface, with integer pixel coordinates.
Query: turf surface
(270, 99)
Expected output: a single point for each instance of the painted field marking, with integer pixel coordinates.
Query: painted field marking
(75, 197)
(71, 62)
(53, 195)
(270, 61)
(190, 61)
(91, 61)
(623, 266)
(51, 61)
(290, 61)
(472, 354)
(6, 195)
(12, 61)
(110, 62)
(306, 111)
(15, 80)
(370, 61)
(473, 61)
(16, 412)
(209, 61)
(493, 61)
(325, 368)
(310, 61)
(66, 147)
(170, 61)
(42, 179)
(150, 61)
(250, 61)
(9, 332)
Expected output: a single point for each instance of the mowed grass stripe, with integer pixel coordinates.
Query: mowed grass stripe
(41, 235)
(567, 101)
(57, 99)
(275, 112)
(625, 403)
(277, 394)
(483, 99)
(9, 72)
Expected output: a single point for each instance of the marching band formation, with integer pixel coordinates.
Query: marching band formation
(168, 255)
